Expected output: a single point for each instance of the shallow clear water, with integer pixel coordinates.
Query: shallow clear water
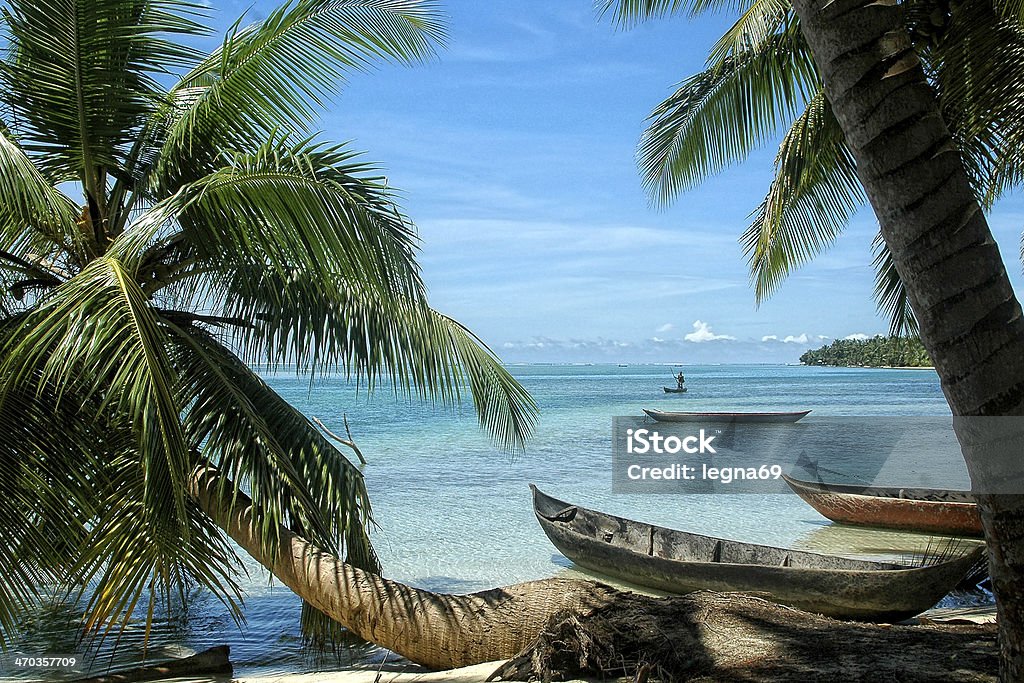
(455, 514)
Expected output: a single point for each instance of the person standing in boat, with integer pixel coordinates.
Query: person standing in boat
(680, 380)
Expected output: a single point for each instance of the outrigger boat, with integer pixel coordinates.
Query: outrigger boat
(682, 562)
(933, 511)
(666, 416)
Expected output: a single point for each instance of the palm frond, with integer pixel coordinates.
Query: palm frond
(757, 23)
(31, 210)
(978, 69)
(101, 346)
(813, 194)
(81, 78)
(98, 331)
(293, 208)
(276, 75)
(1011, 10)
(718, 116)
(125, 556)
(291, 472)
(890, 294)
(630, 12)
(47, 476)
(297, 318)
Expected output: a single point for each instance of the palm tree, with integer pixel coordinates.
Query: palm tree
(887, 103)
(761, 78)
(167, 220)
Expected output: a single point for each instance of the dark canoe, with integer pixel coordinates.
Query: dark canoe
(670, 390)
(933, 511)
(681, 562)
(665, 416)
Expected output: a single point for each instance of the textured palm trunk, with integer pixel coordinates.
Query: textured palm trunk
(944, 252)
(436, 630)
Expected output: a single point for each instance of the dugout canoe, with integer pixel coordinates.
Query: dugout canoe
(670, 390)
(932, 511)
(683, 562)
(667, 416)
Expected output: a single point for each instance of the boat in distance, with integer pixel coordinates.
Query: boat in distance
(933, 511)
(683, 562)
(667, 416)
(670, 390)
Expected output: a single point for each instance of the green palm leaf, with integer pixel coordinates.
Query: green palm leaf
(277, 74)
(292, 473)
(98, 331)
(80, 80)
(890, 294)
(978, 69)
(628, 12)
(47, 477)
(757, 23)
(296, 318)
(300, 208)
(33, 213)
(811, 198)
(718, 116)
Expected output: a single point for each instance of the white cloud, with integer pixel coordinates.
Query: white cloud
(823, 337)
(859, 336)
(667, 327)
(803, 338)
(702, 333)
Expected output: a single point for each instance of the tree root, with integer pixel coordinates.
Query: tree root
(731, 637)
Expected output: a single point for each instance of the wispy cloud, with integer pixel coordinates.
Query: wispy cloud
(667, 327)
(857, 336)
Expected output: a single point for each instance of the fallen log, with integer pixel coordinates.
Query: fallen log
(215, 661)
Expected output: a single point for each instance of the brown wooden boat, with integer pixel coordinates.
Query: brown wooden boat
(682, 562)
(666, 416)
(933, 511)
(677, 390)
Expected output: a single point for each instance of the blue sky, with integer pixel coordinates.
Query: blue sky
(514, 152)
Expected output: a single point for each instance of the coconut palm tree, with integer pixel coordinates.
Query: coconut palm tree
(168, 219)
(887, 102)
(760, 79)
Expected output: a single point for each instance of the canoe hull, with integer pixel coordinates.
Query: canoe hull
(838, 587)
(670, 390)
(939, 515)
(666, 416)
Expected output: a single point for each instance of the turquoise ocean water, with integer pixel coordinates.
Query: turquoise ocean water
(454, 512)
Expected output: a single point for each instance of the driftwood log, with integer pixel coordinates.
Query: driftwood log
(215, 661)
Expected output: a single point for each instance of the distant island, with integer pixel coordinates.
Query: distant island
(877, 352)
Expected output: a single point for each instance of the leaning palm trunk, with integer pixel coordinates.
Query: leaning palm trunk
(943, 250)
(436, 630)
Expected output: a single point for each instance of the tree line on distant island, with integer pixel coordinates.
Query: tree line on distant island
(875, 352)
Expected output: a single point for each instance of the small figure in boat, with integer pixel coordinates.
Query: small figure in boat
(680, 380)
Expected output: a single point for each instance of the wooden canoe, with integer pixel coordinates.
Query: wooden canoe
(665, 416)
(682, 562)
(933, 511)
(670, 390)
